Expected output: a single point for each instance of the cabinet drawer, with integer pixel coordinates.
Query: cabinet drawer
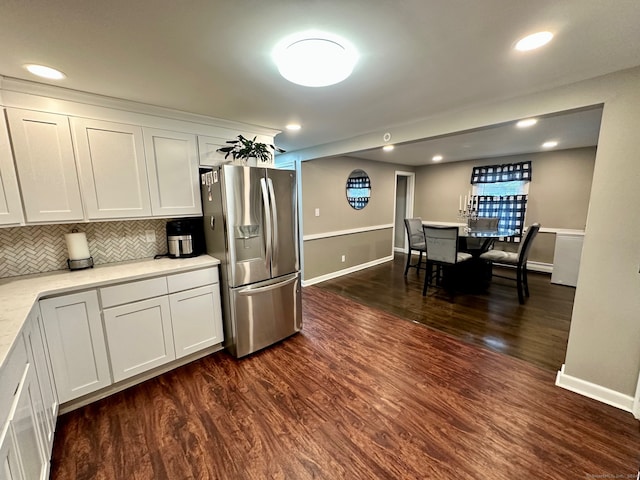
(197, 278)
(133, 291)
(10, 376)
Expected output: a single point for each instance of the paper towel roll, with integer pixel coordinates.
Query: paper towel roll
(77, 246)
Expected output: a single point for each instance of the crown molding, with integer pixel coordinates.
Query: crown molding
(10, 85)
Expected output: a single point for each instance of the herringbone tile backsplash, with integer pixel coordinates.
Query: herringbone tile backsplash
(37, 249)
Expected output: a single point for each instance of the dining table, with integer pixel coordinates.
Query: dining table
(475, 276)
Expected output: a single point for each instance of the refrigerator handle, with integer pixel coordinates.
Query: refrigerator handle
(274, 217)
(267, 220)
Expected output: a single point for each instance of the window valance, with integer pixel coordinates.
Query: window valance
(501, 173)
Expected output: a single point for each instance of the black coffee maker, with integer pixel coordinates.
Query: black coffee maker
(185, 237)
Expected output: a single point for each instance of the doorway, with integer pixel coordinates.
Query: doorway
(404, 199)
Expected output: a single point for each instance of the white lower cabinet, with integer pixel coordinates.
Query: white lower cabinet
(73, 327)
(45, 398)
(196, 319)
(34, 461)
(144, 324)
(10, 468)
(22, 450)
(139, 336)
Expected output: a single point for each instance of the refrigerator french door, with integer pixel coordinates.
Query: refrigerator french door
(251, 226)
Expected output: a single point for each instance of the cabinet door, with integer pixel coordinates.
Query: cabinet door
(10, 468)
(76, 343)
(44, 403)
(139, 336)
(112, 169)
(46, 166)
(172, 162)
(208, 151)
(10, 204)
(24, 425)
(196, 318)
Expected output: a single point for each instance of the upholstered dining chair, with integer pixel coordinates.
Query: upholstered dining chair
(517, 259)
(442, 251)
(484, 224)
(415, 235)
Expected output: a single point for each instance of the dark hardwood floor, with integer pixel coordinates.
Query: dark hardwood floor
(358, 394)
(536, 331)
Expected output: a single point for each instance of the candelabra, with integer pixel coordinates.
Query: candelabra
(469, 213)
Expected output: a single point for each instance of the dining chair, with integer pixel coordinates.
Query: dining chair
(517, 259)
(442, 251)
(415, 235)
(484, 224)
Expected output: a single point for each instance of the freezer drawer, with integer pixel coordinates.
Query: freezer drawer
(266, 312)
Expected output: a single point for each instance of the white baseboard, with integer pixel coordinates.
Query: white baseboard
(339, 273)
(595, 392)
(539, 267)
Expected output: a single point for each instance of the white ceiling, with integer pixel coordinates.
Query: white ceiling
(418, 57)
(574, 129)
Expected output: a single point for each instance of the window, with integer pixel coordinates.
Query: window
(502, 191)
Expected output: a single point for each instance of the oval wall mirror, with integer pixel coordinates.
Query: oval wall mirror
(358, 189)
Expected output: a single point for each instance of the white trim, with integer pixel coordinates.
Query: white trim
(351, 231)
(408, 206)
(636, 401)
(346, 271)
(596, 392)
(33, 95)
(539, 267)
(562, 231)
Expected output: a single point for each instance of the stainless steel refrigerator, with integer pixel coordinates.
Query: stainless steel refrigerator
(251, 225)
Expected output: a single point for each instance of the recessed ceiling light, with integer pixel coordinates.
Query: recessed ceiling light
(315, 59)
(293, 127)
(45, 72)
(527, 122)
(533, 41)
(550, 144)
(436, 158)
(388, 148)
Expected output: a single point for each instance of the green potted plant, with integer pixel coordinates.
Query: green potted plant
(243, 149)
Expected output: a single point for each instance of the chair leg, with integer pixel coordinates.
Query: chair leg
(520, 286)
(406, 268)
(427, 279)
(419, 262)
(525, 280)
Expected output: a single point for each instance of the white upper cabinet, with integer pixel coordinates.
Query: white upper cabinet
(208, 151)
(172, 162)
(112, 168)
(46, 167)
(10, 204)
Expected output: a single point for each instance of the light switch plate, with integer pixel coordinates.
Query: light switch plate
(150, 236)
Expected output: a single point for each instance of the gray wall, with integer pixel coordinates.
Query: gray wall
(324, 187)
(558, 193)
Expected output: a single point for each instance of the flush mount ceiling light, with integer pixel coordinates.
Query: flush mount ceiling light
(527, 122)
(294, 127)
(436, 158)
(315, 59)
(550, 144)
(388, 148)
(45, 72)
(533, 41)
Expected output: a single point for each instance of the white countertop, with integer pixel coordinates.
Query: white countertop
(19, 294)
